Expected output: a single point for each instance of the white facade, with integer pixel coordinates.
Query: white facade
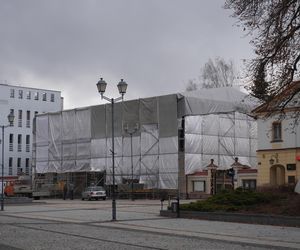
(25, 103)
(290, 134)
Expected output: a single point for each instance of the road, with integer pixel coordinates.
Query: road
(57, 224)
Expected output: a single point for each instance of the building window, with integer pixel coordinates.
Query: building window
(44, 96)
(27, 166)
(35, 113)
(11, 142)
(249, 184)
(52, 98)
(12, 93)
(28, 119)
(28, 95)
(20, 114)
(13, 113)
(19, 169)
(36, 95)
(199, 186)
(290, 167)
(10, 166)
(276, 131)
(291, 180)
(19, 143)
(27, 143)
(20, 94)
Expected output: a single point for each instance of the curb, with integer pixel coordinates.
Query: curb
(17, 200)
(275, 220)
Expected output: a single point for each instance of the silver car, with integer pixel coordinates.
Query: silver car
(94, 192)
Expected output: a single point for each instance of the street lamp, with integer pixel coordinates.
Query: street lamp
(10, 118)
(131, 131)
(122, 87)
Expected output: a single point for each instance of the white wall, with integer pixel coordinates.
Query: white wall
(7, 103)
(290, 134)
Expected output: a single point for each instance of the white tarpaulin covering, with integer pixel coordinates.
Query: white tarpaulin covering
(214, 128)
(221, 137)
(79, 140)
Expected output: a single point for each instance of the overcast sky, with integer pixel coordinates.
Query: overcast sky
(155, 45)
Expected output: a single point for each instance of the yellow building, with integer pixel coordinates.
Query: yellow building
(278, 150)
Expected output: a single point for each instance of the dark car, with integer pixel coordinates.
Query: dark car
(94, 192)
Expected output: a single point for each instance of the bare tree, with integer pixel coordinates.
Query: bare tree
(275, 27)
(191, 85)
(217, 73)
(214, 74)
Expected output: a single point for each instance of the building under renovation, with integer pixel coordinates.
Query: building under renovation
(171, 136)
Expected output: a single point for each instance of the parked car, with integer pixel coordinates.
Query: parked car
(94, 192)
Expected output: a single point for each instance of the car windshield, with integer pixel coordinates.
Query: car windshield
(97, 188)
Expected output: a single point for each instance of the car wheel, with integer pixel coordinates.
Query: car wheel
(96, 199)
(104, 198)
(82, 199)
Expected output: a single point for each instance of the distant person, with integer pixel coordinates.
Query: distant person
(65, 190)
(71, 190)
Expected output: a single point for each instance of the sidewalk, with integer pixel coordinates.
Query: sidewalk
(143, 215)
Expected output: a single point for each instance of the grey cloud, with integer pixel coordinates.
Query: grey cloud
(155, 45)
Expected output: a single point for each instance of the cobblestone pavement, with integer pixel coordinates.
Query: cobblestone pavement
(58, 224)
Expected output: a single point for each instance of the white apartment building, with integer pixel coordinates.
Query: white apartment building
(24, 103)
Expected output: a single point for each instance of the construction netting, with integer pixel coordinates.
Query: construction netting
(215, 127)
(221, 137)
(80, 140)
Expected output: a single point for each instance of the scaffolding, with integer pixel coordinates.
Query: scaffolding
(177, 134)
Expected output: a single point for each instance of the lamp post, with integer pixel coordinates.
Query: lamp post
(10, 118)
(131, 132)
(213, 176)
(122, 87)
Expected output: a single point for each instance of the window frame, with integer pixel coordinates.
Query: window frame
(10, 165)
(27, 141)
(12, 111)
(199, 181)
(247, 184)
(28, 114)
(27, 166)
(19, 142)
(36, 96)
(20, 94)
(11, 142)
(291, 179)
(44, 96)
(12, 93)
(28, 95)
(276, 131)
(20, 117)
